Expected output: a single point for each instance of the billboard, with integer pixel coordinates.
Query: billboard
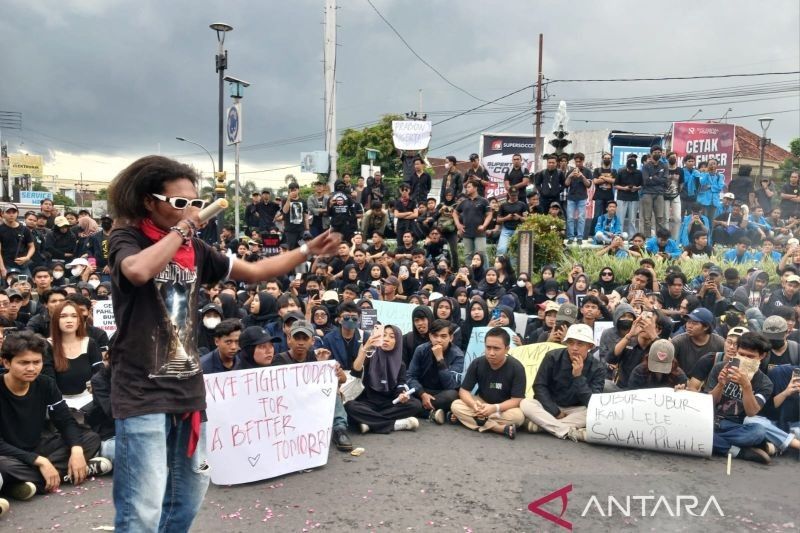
(496, 150)
(619, 155)
(20, 165)
(705, 140)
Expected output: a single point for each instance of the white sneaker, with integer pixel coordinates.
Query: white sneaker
(406, 424)
(23, 491)
(98, 466)
(531, 427)
(577, 434)
(363, 428)
(3, 506)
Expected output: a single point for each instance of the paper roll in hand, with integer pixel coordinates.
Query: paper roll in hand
(212, 209)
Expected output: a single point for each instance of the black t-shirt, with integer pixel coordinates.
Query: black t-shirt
(606, 190)
(514, 176)
(80, 369)
(674, 181)
(14, 243)
(788, 207)
(496, 386)
(342, 213)
(628, 179)
(337, 264)
(155, 367)
(731, 407)
(702, 368)
(509, 208)
(284, 358)
(295, 219)
(472, 213)
(741, 187)
(577, 188)
(479, 174)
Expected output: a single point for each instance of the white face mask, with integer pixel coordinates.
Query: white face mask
(520, 283)
(58, 274)
(211, 322)
(447, 166)
(93, 283)
(77, 271)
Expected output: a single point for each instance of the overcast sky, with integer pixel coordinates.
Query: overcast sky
(101, 82)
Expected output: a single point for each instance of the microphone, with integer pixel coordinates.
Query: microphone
(212, 209)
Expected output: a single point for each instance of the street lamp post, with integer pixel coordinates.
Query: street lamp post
(221, 64)
(211, 157)
(234, 134)
(765, 122)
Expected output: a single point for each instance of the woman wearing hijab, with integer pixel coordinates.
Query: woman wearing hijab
(579, 288)
(506, 320)
(228, 305)
(421, 320)
(320, 318)
(490, 286)
(380, 362)
(607, 281)
(461, 298)
(350, 277)
(477, 316)
(256, 349)
(263, 310)
(446, 309)
(87, 228)
(477, 268)
(210, 316)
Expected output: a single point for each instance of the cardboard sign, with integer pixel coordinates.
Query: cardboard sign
(411, 134)
(394, 313)
(531, 356)
(103, 316)
(477, 345)
(661, 419)
(266, 422)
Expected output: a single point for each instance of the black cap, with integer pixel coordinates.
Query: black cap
(473, 157)
(293, 315)
(254, 335)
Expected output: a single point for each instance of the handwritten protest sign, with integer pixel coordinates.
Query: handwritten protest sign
(103, 316)
(394, 313)
(270, 421)
(411, 134)
(531, 356)
(663, 420)
(599, 328)
(521, 322)
(477, 345)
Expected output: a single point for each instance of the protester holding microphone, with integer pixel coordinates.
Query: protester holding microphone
(158, 395)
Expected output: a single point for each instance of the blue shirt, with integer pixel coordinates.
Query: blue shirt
(671, 248)
(775, 256)
(731, 256)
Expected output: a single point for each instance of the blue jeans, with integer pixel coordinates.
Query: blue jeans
(156, 487)
(339, 414)
(504, 240)
(775, 435)
(732, 435)
(576, 207)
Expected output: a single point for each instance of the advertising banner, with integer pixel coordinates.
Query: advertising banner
(705, 141)
(497, 149)
(619, 155)
(34, 197)
(20, 165)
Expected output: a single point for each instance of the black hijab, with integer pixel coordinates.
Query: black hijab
(267, 311)
(229, 307)
(383, 368)
(469, 323)
(491, 291)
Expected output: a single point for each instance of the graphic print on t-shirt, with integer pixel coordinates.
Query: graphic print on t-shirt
(296, 213)
(175, 286)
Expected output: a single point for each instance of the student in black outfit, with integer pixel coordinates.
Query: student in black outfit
(75, 356)
(33, 459)
(294, 217)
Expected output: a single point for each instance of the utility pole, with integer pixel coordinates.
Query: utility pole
(537, 158)
(419, 104)
(330, 88)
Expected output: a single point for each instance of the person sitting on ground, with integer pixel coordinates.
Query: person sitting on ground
(737, 395)
(754, 292)
(783, 351)
(40, 322)
(477, 316)
(623, 318)
(226, 340)
(698, 340)
(633, 347)
(436, 370)
(34, 459)
(385, 404)
(739, 253)
(421, 320)
(75, 356)
(500, 382)
(564, 384)
(345, 340)
(263, 310)
(702, 368)
(256, 349)
(660, 369)
(663, 245)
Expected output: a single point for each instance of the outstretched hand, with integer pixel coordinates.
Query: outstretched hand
(325, 244)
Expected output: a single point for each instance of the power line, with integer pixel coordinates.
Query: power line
(442, 76)
(670, 78)
(574, 119)
(483, 105)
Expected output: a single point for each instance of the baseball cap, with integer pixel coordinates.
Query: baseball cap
(13, 293)
(728, 195)
(567, 313)
(737, 331)
(659, 360)
(293, 315)
(9, 207)
(702, 315)
(580, 332)
(254, 335)
(774, 328)
(473, 156)
(739, 306)
(61, 221)
(330, 296)
(549, 306)
(391, 280)
(794, 278)
(302, 326)
(717, 271)
(555, 204)
(78, 261)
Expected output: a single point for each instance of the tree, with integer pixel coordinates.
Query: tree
(794, 147)
(102, 194)
(354, 143)
(61, 199)
(37, 186)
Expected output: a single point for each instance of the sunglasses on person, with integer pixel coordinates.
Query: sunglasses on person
(606, 273)
(178, 202)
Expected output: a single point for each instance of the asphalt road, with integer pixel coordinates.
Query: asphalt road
(452, 479)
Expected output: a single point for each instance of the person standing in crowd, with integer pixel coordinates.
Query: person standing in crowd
(61, 242)
(157, 267)
(472, 217)
(604, 177)
(451, 180)
(500, 382)
(375, 190)
(512, 213)
(691, 184)
(712, 183)
(790, 196)
(318, 209)
(269, 208)
(478, 173)
(516, 177)
(48, 210)
(38, 235)
(419, 181)
(252, 217)
(655, 175)
(549, 182)
(628, 184)
(99, 248)
(16, 243)
(294, 216)
(577, 183)
(405, 211)
(672, 194)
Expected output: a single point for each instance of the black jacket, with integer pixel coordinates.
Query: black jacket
(555, 387)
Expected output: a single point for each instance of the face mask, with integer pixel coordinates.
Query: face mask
(624, 324)
(673, 160)
(93, 283)
(520, 283)
(732, 320)
(58, 274)
(106, 225)
(776, 344)
(631, 165)
(349, 323)
(447, 166)
(441, 270)
(77, 271)
(211, 322)
(606, 162)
